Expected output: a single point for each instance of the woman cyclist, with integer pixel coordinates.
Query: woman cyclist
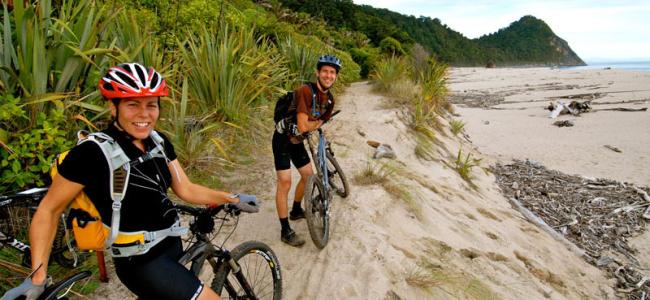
(133, 94)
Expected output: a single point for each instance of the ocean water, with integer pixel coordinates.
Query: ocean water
(637, 66)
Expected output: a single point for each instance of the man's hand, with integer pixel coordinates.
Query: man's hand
(293, 130)
(281, 126)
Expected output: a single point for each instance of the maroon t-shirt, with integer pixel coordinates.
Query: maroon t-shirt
(323, 108)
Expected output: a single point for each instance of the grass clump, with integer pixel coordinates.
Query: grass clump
(387, 175)
(456, 126)
(464, 165)
(387, 73)
(459, 285)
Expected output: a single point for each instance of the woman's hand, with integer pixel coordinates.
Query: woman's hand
(248, 203)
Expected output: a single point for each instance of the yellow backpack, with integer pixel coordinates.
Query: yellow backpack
(89, 231)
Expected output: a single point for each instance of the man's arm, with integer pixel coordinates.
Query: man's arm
(305, 125)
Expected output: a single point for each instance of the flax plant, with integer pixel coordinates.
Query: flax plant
(300, 60)
(388, 72)
(136, 43)
(434, 86)
(230, 72)
(47, 57)
(191, 136)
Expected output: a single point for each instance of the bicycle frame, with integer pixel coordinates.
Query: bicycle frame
(204, 250)
(321, 165)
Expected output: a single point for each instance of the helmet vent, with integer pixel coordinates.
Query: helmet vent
(127, 80)
(155, 79)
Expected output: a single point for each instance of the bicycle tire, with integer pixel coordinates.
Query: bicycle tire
(334, 171)
(316, 215)
(260, 286)
(52, 292)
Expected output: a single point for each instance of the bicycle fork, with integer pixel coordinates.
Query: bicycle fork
(236, 270)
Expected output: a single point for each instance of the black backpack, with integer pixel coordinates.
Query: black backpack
(286, 104)
(282, 106)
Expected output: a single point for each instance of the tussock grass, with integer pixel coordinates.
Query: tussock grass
(459, 285)
(387, 73)
(418, 83)
(388, 175)
(456, 126)
(374, 174)
(464, 165)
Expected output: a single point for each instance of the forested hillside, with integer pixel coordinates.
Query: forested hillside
(525, 42)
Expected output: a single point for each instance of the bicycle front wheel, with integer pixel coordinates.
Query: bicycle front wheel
(259, 269)
(316, 212)
(337, 179)
(61, 289)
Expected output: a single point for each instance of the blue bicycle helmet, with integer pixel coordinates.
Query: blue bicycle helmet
(329, 60)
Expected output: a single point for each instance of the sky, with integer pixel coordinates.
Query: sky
(595, 30)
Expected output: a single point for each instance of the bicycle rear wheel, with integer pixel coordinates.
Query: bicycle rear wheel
(316, 212)
(63, 287)
(259, 268)
(337, 179)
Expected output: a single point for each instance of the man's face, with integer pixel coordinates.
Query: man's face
(326, 76)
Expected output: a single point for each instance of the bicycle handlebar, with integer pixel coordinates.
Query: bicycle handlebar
(229, 208)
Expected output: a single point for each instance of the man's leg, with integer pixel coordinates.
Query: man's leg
(296, 211)
(282, 192)
(283, 186)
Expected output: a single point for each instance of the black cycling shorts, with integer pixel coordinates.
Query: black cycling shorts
(157, 274)
(285, 152)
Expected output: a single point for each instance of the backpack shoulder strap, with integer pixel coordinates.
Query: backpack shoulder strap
(119, 172)
(157, 151)
(314, 94)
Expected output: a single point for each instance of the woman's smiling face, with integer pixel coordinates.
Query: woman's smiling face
(137, 116)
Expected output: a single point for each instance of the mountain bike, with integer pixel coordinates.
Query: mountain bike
(250, 271)
(15, 213)
(329, 178)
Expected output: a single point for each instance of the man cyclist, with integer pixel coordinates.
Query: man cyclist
(133, 93)
(312, 106)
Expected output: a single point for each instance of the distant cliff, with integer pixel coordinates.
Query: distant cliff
(528, 41)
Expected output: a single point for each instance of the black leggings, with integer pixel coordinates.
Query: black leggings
(157, 274)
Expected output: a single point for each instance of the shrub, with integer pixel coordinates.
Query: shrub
(391, 46)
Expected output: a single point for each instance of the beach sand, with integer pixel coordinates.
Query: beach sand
(519, 127)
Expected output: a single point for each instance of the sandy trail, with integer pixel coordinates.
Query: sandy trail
(452, 242)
